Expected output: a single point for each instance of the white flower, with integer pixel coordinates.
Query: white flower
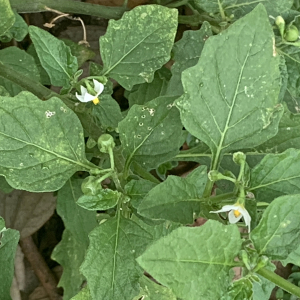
(236, 212)
(86, 97)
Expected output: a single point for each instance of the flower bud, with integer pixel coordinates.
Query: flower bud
(239, 157)
(291, 33)
(106, 142)
(90, 186)
(279, 21)
(214, 175)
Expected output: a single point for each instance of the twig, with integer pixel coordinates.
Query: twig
(40, 267)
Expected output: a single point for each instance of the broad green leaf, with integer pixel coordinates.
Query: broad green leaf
(81, 52)
(7, 17)
(3, 91)
(179, 262)
(70, 252)
(104, 200)
(152, 291)
(84, 294)
(287, 136)
(107, 112)
(55, 56)
(41, 143)
(150, 133)
(277, 235)
(4, 186)
(18, 31)
(20, 61)
(137, 190)
(114, 246)
(241, 7)
(134, 47)
(43, 74)
(176, 199)
(9, 239)
(186, 54)
(146, 92)
(26, 212)
(276, 175)
(240, 110)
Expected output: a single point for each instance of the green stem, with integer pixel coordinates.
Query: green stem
(68, 6)
(144, 173)
(30, 85)
(25, 82)
(111, 157)
(279, 281)
(177, 4)
(221, 11)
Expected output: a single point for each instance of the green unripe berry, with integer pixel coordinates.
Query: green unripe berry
(291, 33)
(106, 142)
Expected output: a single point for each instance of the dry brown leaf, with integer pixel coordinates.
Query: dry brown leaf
(25, 211)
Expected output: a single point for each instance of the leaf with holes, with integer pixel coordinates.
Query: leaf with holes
(276, 175)
(42, 143)
(114, 246)
(240, 110)
(194, 269)
(277, 234)
(134, 47)
(150, 133)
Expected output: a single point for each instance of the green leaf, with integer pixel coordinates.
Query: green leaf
(70, 252)
(134, 47)
(152, 291)
(104, 200)
(287, 136)
(149, 134)
(107, 112)
(277, 234)
(20, 61)
(186, 54)
(84, 294)
(18, 31)
(114, 246)
(214, 108)
(7, 17)
(4, 186)
(242, 7)
(9, 239)
(276, 175)
(42, 143)
(263, 288)
(176, 199)
(194, 269)
(55, 56)
(137, 190)
(146, 92)
(81, 52)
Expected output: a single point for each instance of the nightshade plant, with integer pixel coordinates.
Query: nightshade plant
(231, 95)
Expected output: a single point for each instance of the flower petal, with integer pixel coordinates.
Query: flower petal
(83, 90)
(232, 218)
(79, 97)
(98, 87)
(224, 209)
(88, 97)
